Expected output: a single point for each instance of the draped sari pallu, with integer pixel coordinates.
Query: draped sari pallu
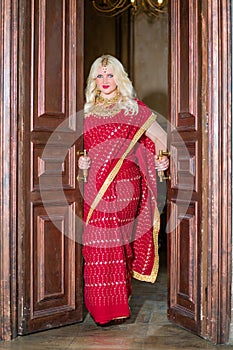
(120, 237)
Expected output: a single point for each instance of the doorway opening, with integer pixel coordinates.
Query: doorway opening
(201, 35)
(141, 44)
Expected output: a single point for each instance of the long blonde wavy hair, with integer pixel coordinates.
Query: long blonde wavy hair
(124, 85)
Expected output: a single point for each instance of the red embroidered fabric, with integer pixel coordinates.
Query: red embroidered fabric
(118, 240)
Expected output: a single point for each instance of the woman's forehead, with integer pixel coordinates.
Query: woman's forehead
(105, 69)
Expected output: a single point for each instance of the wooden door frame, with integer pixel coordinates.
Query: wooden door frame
(216, 85)
(8, 166)
(217, 163)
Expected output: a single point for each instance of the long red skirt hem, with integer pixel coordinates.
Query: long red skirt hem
(103, 315)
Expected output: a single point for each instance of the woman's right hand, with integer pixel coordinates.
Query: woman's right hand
(84, 162)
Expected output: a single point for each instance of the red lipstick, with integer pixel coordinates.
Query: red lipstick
(105, 86)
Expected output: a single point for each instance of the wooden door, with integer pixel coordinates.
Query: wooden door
(200, 191)
(50, 95)
(185, 201)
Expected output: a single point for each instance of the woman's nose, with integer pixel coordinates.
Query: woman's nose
(105, 79)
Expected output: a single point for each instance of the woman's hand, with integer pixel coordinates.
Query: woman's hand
(84, 163)
(161, 164)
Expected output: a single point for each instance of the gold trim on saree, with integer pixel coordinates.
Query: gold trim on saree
(118, 165)
(154, 272)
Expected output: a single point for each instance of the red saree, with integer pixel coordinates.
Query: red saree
(120, 237)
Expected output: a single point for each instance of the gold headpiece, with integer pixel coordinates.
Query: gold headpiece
(105, 62)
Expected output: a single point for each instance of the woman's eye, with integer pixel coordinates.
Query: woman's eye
(110, 75)
(99, 76)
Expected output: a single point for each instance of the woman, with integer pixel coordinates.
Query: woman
(120, 237)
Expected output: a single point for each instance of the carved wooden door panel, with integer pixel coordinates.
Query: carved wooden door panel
(184, 204)
(51, 94)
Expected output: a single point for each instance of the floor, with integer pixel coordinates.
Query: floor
(148, 328)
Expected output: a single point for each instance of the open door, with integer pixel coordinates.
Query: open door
(200, 190)
(50, 92)
(184, 194)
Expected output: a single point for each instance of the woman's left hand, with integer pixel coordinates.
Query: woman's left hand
(161, 164)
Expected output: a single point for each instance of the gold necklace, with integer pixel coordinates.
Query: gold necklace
(101, 111)
(107, 101)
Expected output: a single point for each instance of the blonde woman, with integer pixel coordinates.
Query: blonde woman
(121, 228)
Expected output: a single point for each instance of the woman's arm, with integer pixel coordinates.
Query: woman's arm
(159, 136)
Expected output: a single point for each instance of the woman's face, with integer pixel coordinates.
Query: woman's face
(105, 82)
